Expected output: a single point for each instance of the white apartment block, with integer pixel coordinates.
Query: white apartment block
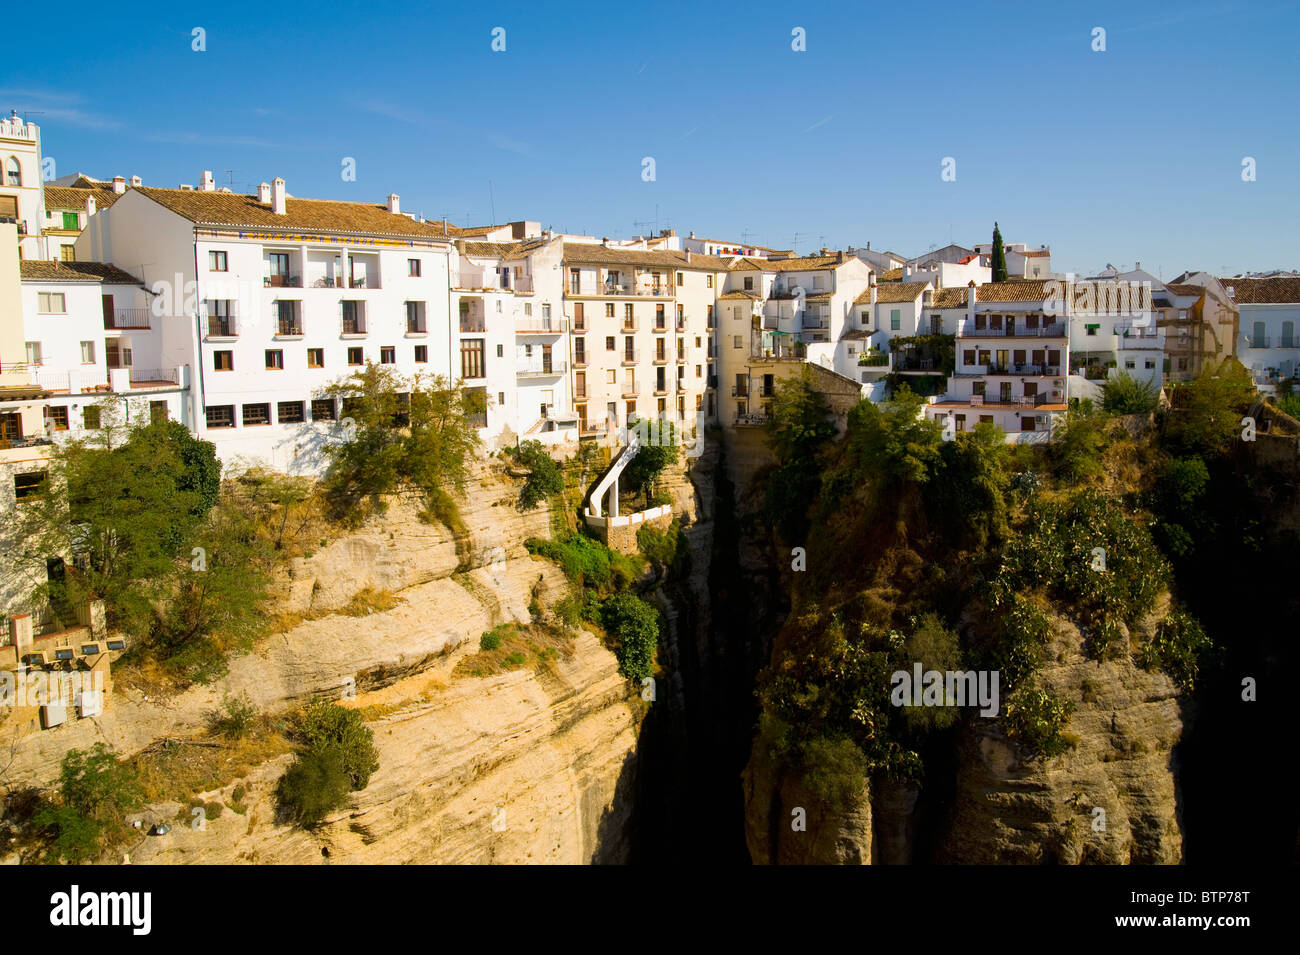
(94, 348)
(641, 325)
(784, 311)
(1012, 362)
(1270, 314)
(270, 299)
(69, 207)
(1022, 261)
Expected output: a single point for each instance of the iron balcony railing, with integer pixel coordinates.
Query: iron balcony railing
(1057, 330)
(127, 318)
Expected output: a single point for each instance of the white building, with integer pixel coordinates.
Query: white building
(271, 299)
(1012, 362)
(1022, 261)
(21, 183)
(1270, 314)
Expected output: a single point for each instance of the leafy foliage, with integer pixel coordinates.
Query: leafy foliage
(635, 624)
(1179, 647)
(1124, 394)
(586, 561)
(892, 439)
(95, 792)
(417, 432)
(799, 426)
(1209, 409)
(1035, 717)
(660, 446)
(339, 758)
(326, 724)
(545, 476)
(666, 549)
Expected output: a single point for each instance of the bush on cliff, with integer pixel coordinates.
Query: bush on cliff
(635, 626)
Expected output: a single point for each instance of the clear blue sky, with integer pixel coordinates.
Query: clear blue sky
(1131, 154)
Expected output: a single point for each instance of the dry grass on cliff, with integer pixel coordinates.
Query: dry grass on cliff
(178, 769)
(521, 645)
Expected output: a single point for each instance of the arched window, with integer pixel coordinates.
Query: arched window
(13, 172)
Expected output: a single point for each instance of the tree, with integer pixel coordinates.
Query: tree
(999, 256)
(326, 724)
(95, 792)
(798, 428)
(893, 439)
(545, 477)
(652, 456)
(340, 757)
(1124, 394)
(419, 432)
(635, 624)
(1207, 413)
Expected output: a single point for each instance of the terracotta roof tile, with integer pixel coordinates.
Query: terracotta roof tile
(1196, 290)
(583, 253)
(738, 293)
(890, 275)
(806, 263)
(69, 198)
(1281, 290)
(306, 215)
(37, 270)
(893, 293)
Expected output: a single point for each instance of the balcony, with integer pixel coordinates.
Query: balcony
(661, 358)
(867, 360)
(1057, 330)
(1143, 341)
(288, 328)
(221, 327)
(632, 356)
(1288, 341)
(580, 360)
(472, 324)
(353, 328)
(540, 326)
(282, 281)
(488, 280)
(1257, 341)
(739, 392)
(539, 369)
(326, 282)
(154, 377)
(629, 389)
(127, 318)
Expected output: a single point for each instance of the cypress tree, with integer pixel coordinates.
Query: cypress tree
(999, 256)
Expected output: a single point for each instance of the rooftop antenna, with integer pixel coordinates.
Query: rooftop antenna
(795, 246)
(230, 179)
(744, 236)
(493, 201)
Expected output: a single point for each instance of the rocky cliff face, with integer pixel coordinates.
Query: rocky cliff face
(526, 765)
(1111, 799)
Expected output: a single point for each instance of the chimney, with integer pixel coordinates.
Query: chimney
(207, 184)
(264, 193)
(972, 295)
(691, 236)
(688, 255)
(119, 185)
(277, 196)
(20, 627)
(839, 257)
(394, 204)
(136, 182)
(874, 292)
(1137, 266)
(868, 246)
(90, 206)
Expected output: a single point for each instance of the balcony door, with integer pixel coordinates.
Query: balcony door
(279, 268)
(1004, 392)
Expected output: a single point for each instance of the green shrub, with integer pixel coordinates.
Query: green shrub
(1035, 718)
(95, 792)
(1179, 648)
(545, 476)
(515, 659)
(586, 561)
(1124, 394)
(314, 786)
(635, 625)
(237, 718)
(489, 641)
(326, 724)
(666, 549)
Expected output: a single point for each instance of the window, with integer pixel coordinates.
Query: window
(56, 416)
(221, 317)
(87, 353)
(660, 319)
(223, 361)
(501, 351)
(387, 355)
(289, 412)
(90, 417)
(610, 376)
(579, 316)
(354, 319)
(421, 354)
(315, 358)
(67, 253)
(1091, 329)
(681, 278)
(735, 341)
(699, 371)
(31, 484)
(275, 359)
(895, 319)
(546, 311)
(609, 343)
(287, 321)
(259, 413)
(356, 356)
(217, 261)
(1150, 363)
(609, 309)
(580, 384)
(708, 281)
(50, 303)
(749, 283)
(13, 172)
(627, 313)
(71, 221)
(472, 362)
(415, 318)
(413, 268)
(221, 416)
(322, 409)
(1130, 364)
